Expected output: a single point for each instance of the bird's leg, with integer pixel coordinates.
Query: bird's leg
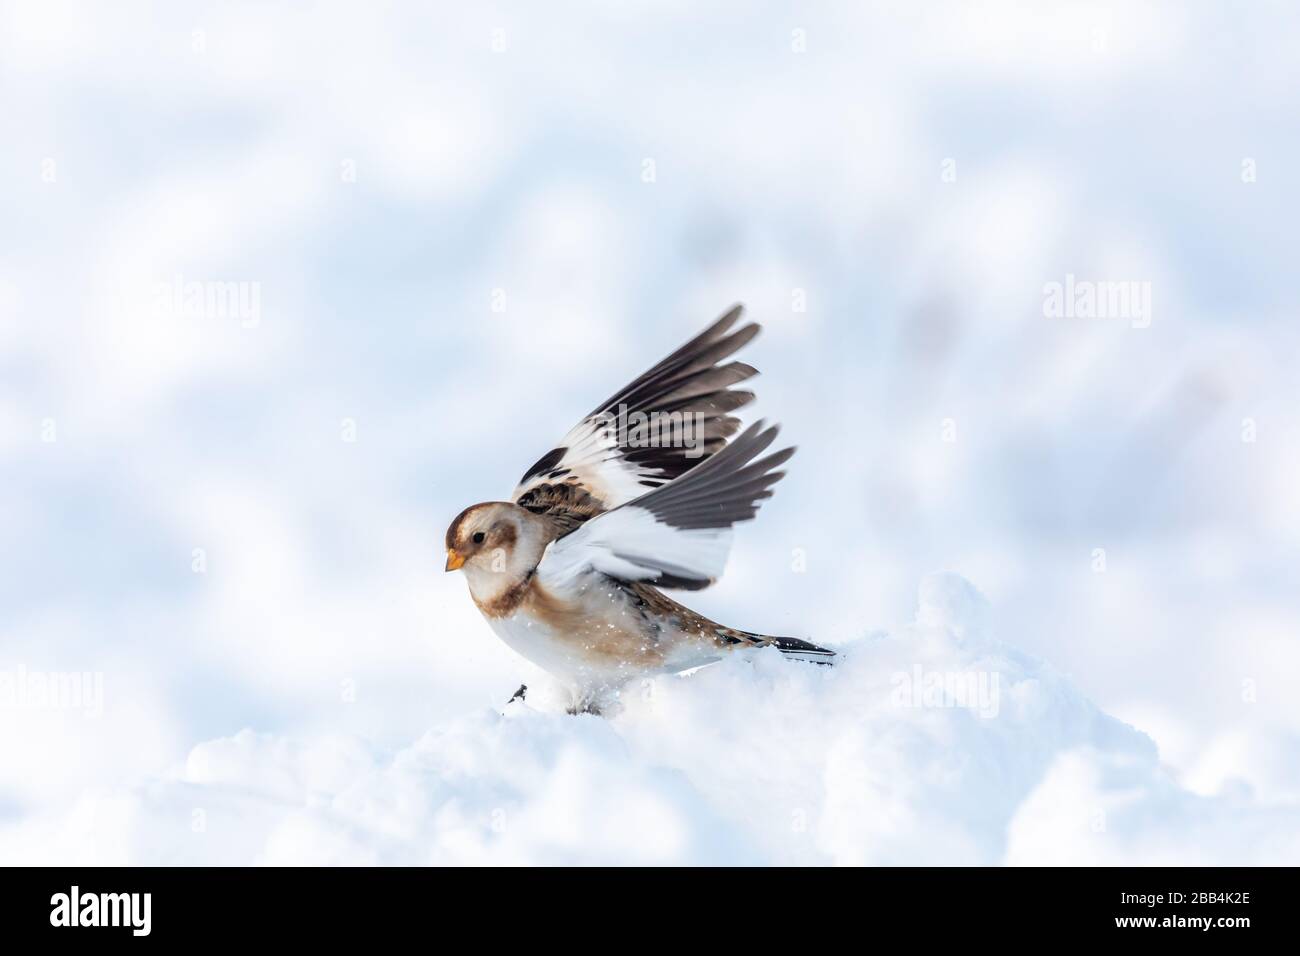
(520, 694)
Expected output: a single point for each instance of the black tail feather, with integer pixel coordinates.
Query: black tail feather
(803, 650)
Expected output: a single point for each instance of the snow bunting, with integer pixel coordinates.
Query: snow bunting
(639, 495)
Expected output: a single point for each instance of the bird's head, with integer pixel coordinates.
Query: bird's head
(488, 539)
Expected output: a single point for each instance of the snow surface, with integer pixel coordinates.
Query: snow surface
(756, 760)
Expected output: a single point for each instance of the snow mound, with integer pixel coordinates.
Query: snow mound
(935, 745)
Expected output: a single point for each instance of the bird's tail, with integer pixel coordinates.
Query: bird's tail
(792, 647)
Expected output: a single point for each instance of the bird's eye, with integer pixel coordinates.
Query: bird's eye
(478, 537)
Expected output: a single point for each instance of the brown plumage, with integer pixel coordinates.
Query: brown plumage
(568, 573)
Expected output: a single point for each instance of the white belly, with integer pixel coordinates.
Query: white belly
(583, 672)
(588, 674)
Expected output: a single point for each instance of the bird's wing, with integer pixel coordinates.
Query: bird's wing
(661, 426)
(676, 536)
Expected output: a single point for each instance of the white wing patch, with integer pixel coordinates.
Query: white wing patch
(593, 456)
(629, 543)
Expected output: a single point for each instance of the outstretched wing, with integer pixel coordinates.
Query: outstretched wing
(677, 536)
(659, 427)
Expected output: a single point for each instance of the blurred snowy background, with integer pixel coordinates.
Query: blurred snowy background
(452, 232)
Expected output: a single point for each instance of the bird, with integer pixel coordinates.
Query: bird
(639, 497)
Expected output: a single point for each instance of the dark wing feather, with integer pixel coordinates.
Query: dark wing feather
(597, 467)
(723, 490)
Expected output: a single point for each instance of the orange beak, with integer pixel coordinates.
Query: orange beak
(454, 560)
